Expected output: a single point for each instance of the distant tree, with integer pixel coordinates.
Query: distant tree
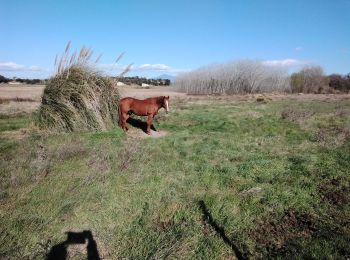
(313, 78)
(247, 76)
(310, 79)
(339, 82)
(4, 79)
(139, 80)
(296, 82)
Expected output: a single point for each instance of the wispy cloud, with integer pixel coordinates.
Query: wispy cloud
(12, 66)
(14, 69)
(141, 68)
(157, 67)
(298, 48)
(285, 62)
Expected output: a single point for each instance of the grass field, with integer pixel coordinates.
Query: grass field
(232, 178)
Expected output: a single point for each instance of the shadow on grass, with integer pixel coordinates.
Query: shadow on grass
(59, 251)
(137, 123)
(208, 218)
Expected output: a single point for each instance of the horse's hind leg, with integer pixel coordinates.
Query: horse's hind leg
(149, 123)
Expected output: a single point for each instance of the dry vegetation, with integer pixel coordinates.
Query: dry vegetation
(78, 98)
(234, 78)
(246, 176)
(234, 176)
(249, 76)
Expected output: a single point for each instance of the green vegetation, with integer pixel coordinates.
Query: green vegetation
(267, 180)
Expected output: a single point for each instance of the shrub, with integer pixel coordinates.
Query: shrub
(77, 97)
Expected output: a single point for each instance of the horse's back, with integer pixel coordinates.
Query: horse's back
(126, 99)
(139, 107)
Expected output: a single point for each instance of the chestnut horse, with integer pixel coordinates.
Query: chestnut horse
(148, 107)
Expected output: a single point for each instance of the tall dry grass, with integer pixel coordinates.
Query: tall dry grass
(78, 97)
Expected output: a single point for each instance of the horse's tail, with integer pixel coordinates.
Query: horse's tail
(119, 114)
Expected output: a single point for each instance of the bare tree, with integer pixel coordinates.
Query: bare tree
(244, 76)
(310, 79)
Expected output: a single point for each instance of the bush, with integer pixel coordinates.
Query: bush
(78, 98)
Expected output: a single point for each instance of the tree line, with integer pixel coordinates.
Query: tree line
(3, 79)
(126, 80)
(249, 76)
(140, 80)
(312, 79)
(234, 78)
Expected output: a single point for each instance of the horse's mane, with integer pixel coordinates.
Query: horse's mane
(159, 100)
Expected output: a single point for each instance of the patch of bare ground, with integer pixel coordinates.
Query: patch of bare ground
(26, 97)
(273, 235)
(332, 135)
(23, 91)
(138, 133)
(266, 97)
(335, 191)
(13, 107)
(295, 115)
(16, 99)
(19, 98)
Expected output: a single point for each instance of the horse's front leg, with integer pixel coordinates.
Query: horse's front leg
(149, 123)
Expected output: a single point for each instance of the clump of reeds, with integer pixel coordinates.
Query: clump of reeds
(78, 97)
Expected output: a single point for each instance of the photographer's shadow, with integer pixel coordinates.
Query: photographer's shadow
(59, 251)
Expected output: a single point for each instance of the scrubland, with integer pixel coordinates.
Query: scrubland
(233, 177)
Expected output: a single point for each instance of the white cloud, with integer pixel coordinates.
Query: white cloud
(141, 68)
(284, 63)
(12, 69)
(298, 48)
(158, 67)
(12, 66)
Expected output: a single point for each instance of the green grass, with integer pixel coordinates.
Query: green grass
(266, 181)
(13, 122)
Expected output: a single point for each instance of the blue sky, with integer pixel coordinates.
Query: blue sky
(167, 37)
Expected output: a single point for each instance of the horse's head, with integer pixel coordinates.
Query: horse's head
(166, 103)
